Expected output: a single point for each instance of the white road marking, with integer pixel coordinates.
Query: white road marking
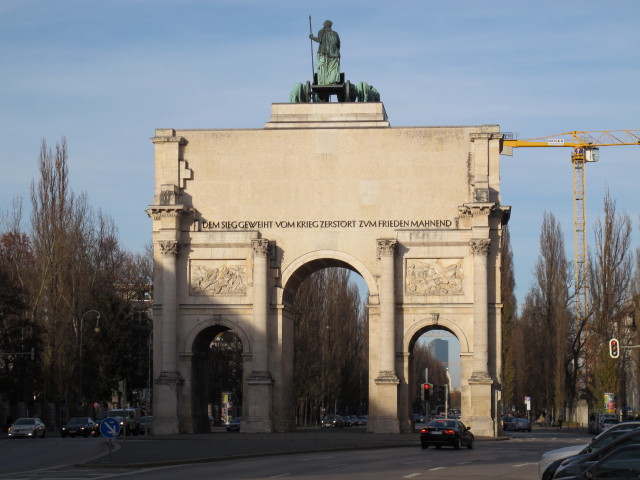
(337, 465)
(411, 475)
(436, 468)
(282, 475)
(524, 464)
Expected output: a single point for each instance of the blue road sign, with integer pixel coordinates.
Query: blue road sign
(110, 427)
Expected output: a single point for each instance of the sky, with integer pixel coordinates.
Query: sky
(105, 74)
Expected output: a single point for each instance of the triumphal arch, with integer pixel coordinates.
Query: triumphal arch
(242, 216)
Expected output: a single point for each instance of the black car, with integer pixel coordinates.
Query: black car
(332, 421)
(623, 462)
(446, 432)
(82, 426)
(577, 464)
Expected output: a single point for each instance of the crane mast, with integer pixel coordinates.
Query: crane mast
(585, 146)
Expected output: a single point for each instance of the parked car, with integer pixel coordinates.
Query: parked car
(577, 464)
(516, 424)
(446, 432)
(606, 424)
(623, 462)
(354, 421)
(346, 420)
(27, 427)
(83, 426)
(557, 456)
(234, 425)
(363, 420)
(145, 423)
(332, 421)
(417, 418)
(505, 421)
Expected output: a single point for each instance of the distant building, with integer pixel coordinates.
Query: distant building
(440, 350)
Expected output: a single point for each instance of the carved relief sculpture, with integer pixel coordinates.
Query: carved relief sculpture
(434, 277)
(218, 279)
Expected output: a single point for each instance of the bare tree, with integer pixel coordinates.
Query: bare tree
(509, 320)
(610, 281)
(330, 347)
(546, 321)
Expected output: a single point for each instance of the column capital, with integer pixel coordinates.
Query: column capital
(260, 247)
(386, 247)
(480, 246)
(169, 248)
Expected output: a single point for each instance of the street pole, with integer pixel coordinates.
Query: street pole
(81, 333)
(446, 393)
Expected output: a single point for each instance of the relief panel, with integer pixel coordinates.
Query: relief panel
(218, 277)
(434, 277)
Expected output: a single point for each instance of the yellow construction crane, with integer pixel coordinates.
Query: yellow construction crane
(585, 149)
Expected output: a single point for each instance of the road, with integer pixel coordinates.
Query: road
(510, 459)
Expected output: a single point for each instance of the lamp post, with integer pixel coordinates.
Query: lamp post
(630, 367)
(97, 329)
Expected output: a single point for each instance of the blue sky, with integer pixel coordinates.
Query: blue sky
(106, 73)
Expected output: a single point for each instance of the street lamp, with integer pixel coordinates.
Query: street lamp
(97, 329)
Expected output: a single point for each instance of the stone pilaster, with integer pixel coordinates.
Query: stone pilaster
(169, 382)
(480, 250)
(386, 253)
(386, 411)
(260, 383)
(480, 382)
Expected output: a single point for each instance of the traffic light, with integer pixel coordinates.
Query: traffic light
(425, 391)
(614, 348)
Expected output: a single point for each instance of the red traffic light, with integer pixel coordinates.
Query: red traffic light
(614, 348)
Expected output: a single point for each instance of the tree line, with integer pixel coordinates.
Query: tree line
(72, 295)
(560, 357)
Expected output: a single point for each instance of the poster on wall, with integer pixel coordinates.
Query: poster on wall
(609, 402)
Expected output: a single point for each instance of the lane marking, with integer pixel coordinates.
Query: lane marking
(436, 468)
(337, 465)
(281, 475)
(523, 465)
(411, 475)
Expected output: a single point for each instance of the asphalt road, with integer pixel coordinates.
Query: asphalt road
(514, 458)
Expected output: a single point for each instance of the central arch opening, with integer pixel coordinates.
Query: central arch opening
(330, 371)
(217, 365)
(435, 359)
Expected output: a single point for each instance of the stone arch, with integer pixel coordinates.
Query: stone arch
(311, 262)
(421, 326)
(413, 333)
(196, 372)
(213, 322)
